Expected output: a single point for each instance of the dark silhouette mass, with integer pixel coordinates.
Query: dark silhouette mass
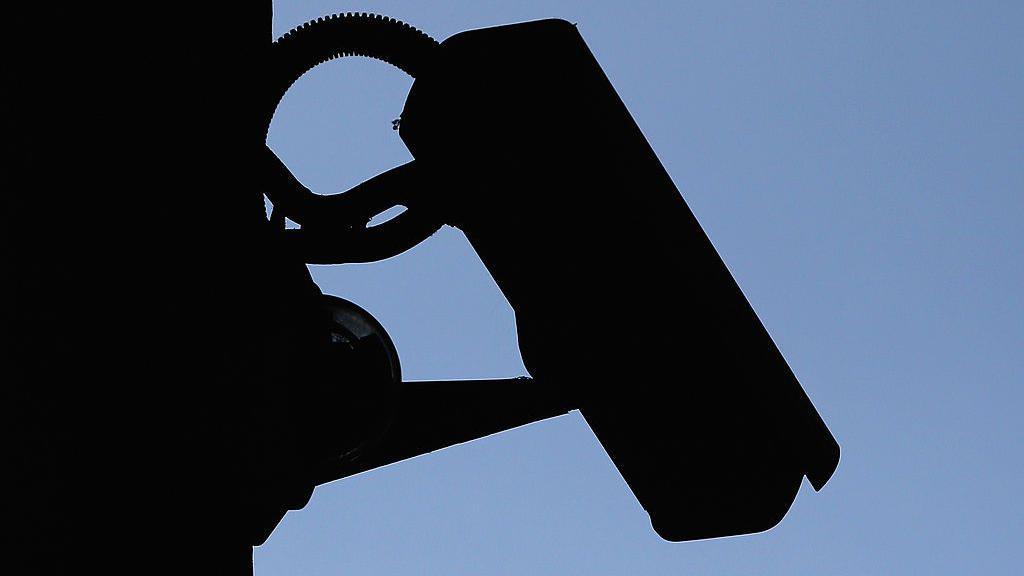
(180, 382)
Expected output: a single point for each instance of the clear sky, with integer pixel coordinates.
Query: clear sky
(860, 168)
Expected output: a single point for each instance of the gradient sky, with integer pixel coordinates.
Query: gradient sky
(860, 168)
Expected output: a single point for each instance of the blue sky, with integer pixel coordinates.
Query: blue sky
(860, 168)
